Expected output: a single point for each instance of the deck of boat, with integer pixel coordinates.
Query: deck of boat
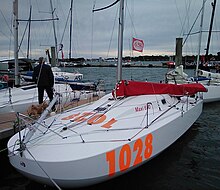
(7, 121)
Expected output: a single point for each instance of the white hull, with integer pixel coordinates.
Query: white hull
(59, 76)
(22, 98)
(89, 153)
(213, 94)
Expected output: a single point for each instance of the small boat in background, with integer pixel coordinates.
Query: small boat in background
(59, 76)
(19, 99)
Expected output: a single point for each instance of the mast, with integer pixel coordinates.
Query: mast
(210, 29)
(55, 36)
(120, 40)
(15, 25)
(71, 20)
(200, 38)
(29, 31)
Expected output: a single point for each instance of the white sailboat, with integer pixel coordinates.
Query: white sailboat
(210, 80)
(96, 142)
(59, 76)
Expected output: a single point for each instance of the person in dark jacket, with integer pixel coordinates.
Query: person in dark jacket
(44, 78)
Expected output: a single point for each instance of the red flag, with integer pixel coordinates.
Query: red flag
(137, 45)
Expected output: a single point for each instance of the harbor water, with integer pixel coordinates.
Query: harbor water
(192, 162)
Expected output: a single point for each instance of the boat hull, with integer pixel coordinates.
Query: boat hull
(213, 93)
(98, 161)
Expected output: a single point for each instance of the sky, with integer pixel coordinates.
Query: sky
(158, 23)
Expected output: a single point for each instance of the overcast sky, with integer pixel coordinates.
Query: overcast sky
(157, 22)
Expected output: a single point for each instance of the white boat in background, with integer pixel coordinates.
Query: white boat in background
(119, 132)
(211, 82)
(59, 76)
(19, 99)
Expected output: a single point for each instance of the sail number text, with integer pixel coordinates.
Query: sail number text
(91, 118)
(140, 151)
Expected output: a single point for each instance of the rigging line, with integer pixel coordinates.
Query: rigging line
(56, 185)
(146, 127)
(109, 141)
(19, 47)
(193, 24)
(107, 110)
(48, 127)
(105, 130)
(204, 31)
(84, 121)
(112, 107)
(125, 100)
(192, 27)
(76, 125)
(156, 97)
(44, 126)
(76, 45)
(6, 21)
(67, 20)
(147, 113)
(90, 141)
(112, 32)
(4, 149)
(70, 125)
(132, 23)
(187, 18)
(100, 9)
(179, 16)
(165, 112)
(10, 42)
(5, 35)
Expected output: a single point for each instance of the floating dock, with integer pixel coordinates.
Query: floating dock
(7, 125)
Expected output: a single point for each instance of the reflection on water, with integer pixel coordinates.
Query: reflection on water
(193, 162)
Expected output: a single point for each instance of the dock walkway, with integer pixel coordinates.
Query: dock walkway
(7, 124)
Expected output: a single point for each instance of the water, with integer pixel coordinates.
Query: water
(193, 162)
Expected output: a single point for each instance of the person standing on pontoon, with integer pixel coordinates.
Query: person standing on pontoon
(44, 78)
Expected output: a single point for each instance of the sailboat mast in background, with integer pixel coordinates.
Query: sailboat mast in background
(55, 36)
(210, 30)
(15, 26)
(200, 38)
(120, 40)
(71, 27)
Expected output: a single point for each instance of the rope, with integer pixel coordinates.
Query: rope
(154, 120)
(44, 126)
(192, 26)
(112, 33)
(156, 96)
